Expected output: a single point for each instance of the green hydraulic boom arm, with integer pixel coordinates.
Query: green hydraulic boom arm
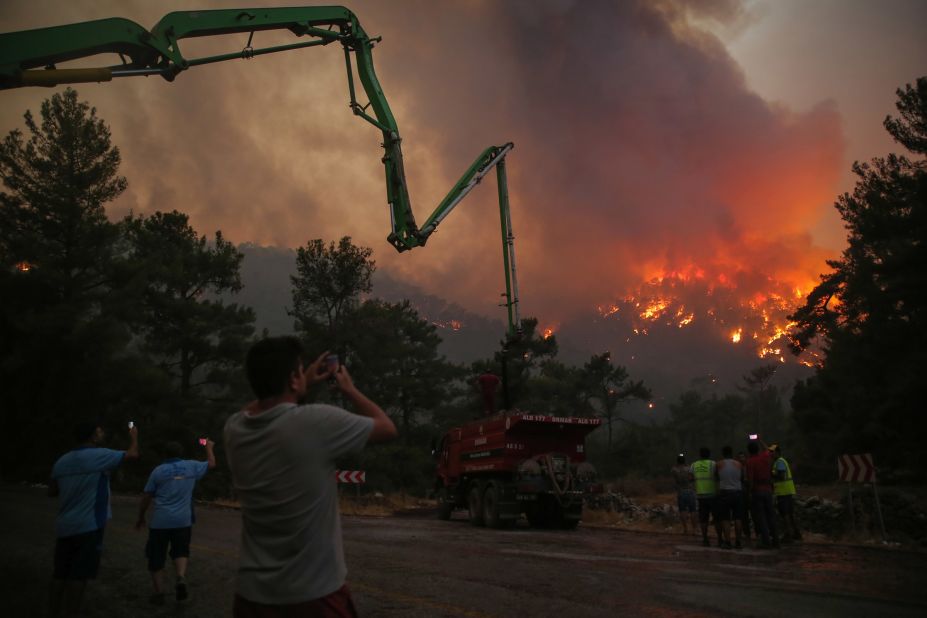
(29, 58)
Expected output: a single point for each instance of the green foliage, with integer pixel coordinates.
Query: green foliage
(604, 387)
(393, 357)
(328, 284)
(870, 310)
(763, 404)
(554, 390)
(910, 130)
(195, 339)
(520, 359)
(59, 279)
(713, 422)
(86, 301)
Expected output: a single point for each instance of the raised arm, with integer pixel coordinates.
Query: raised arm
(210, 454)
(383, 427)
(132, 451)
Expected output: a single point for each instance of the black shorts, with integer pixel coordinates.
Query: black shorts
(159, 539)
(730, 505)
(78, 556)
(785, 504)
(707, 506)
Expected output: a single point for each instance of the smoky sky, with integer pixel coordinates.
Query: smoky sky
(639, 148)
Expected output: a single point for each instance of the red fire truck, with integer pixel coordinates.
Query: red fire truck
(504, 465)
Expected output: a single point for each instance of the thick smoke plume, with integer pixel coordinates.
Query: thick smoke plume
(639, 150)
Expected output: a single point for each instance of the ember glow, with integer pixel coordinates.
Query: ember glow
(453, 325)
(743, 308)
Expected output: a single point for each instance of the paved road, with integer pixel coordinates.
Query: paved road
(418, 566)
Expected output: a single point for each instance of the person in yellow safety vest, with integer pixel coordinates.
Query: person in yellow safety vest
(705, 473)
(784, 490)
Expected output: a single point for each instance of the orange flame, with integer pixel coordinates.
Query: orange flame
(745, 306)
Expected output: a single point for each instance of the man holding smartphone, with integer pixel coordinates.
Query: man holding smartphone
(80, 479)
(170, 488)
(759, 480)
(282, 456)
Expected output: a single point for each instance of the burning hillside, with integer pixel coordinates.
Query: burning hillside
(744, 309)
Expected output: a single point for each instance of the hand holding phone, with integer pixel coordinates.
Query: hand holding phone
(332, 365)
(131, 424)
(203, 441)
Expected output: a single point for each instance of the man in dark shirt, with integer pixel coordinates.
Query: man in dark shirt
(759, 480)
(685, 494)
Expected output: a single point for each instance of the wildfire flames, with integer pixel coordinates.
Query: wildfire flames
(732, 305)
(743, 309)
(454, 325)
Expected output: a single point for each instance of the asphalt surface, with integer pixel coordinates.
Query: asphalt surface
(416, 565)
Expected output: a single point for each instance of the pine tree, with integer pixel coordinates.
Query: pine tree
(59, 272)
(870, 311)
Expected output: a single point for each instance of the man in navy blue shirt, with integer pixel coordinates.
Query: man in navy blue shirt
(170, 487)
(80, 478)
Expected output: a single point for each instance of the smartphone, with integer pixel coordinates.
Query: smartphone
(131, 424)
(754, 436)
(203, 441)
(331, 361)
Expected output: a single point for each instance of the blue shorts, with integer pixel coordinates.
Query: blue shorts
(159, 539)
(685, 500)
(78, 556)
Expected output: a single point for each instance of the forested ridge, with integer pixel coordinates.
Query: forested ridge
(131, 320)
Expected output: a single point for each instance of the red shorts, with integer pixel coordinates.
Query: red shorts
(335, 605)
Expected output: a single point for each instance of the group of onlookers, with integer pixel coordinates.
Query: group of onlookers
(280, 453)
(731, 493)
(80, 478)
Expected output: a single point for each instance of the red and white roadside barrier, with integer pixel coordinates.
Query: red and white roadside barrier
(856, 468)
(351, 476)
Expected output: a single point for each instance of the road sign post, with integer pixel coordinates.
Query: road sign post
(354, 477)
(351, 476)
(860, 469)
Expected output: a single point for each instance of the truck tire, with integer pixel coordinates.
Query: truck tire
(444, 505)
(491, 507)
(535, 515)
(475, 504)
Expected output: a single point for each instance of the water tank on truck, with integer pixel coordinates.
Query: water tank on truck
(501, 466)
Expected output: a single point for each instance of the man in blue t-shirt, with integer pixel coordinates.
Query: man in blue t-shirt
(170, 487)
(80, 478)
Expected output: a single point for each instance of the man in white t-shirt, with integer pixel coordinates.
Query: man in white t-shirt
(282, 455)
